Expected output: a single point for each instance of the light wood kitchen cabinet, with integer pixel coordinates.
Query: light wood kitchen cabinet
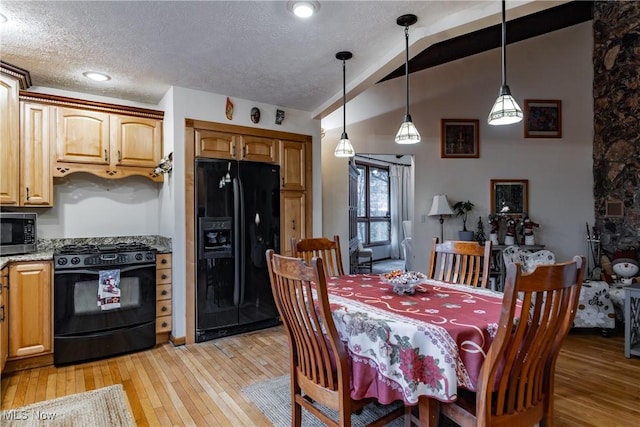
(4, 317)
(163, 297)
(111, 141)
(36, 180)
(293, 165)
(225, 145)
(136, 141)
(82, 136)
(30, 309)
(107, 140)
(9, 140)
(293, 210)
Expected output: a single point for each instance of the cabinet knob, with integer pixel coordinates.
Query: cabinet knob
(165, 324)
(106, 158)
(293, 224)
(164, 292)
(119, 156)
(164, 308)
(164, 261)
(164, 276)
(27, 193)
(2, 313)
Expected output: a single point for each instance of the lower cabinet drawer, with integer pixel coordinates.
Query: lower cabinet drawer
(163, 292)
(163, 324)
(163, 308)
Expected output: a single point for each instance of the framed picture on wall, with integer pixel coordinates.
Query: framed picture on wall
(459, 138)
(542, 118)
(509, 196)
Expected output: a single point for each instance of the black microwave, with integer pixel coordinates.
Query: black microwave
(18, 233)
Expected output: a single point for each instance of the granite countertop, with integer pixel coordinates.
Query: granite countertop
(46, 246)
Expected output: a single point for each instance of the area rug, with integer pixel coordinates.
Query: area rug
(104, 407)
(273, 399)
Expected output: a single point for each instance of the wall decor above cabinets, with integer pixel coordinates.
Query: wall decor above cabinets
(108, 140)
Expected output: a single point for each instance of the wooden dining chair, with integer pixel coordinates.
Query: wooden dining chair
(320, 247)
(515, 385)
(319, 362)
(460, 262)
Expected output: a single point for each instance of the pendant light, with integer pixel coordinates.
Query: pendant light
(408, 134)
(506, 110)
(344, 148)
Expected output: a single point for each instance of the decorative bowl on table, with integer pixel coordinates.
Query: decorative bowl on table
(403, 282)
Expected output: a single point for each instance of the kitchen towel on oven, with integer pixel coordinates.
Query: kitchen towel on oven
(109, 289)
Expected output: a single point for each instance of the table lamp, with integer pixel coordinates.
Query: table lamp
(440, 206)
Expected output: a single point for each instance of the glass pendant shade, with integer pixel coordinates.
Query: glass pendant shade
(506, 110)
(407, 134)
(344, 147)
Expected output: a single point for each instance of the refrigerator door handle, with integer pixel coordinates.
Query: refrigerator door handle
(238, 239)
(243, 233)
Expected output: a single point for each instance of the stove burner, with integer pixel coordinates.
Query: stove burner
(102, 248)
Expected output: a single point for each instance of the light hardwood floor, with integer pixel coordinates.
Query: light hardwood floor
(199, 384)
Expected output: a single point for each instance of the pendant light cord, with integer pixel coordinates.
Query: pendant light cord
(344, 97)
(406, 67)
(504, 45)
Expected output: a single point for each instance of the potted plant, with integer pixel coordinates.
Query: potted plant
(462, 209)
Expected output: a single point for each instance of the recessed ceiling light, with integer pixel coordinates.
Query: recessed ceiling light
(302, 8)
(3, 19)
(99, 77)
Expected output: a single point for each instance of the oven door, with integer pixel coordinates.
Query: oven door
(76, 309)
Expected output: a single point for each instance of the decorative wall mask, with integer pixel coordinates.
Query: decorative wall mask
(255, 115)
(228, 111)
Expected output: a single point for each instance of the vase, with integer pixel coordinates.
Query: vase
(494, 238)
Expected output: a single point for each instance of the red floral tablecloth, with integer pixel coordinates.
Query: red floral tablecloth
(406, 346)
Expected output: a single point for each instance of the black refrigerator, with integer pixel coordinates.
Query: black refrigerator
(237, 220)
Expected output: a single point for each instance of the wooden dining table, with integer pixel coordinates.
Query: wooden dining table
(415, 348)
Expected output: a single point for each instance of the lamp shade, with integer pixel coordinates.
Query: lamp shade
(344, 147)
(506, 110)
(408, 134)
(440, 206)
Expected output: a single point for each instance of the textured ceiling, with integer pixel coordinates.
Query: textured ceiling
(258, 51)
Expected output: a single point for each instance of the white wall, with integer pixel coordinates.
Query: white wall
(553, 66)
(89, 206)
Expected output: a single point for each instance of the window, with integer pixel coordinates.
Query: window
(374, 200)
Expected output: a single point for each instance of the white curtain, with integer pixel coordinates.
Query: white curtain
(400, 177)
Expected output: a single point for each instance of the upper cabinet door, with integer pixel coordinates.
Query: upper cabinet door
(259, 149)
(136, 141)
(9, 140)
(36, 181)
(293, 165)
(82, 136)
(216, 145)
